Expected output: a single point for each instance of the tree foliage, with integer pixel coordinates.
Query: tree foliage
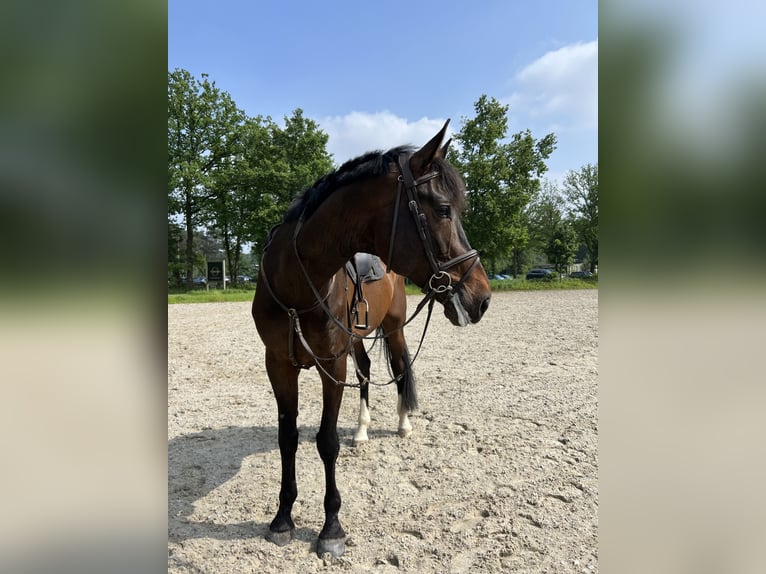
(232, 174)
(501, 177)
(282, 162)
(202, 134)
(231, 177)
(544, 214)
(581, 190)
(561, 246)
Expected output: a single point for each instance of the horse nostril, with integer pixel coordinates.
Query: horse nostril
(484, 306)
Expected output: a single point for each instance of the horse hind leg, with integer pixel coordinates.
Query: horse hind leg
(407, 400)
(401, 367)
(363, 375)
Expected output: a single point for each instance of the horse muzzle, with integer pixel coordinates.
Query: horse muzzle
(462, 313)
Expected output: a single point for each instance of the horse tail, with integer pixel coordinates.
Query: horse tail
(409, 388)
(406, 385)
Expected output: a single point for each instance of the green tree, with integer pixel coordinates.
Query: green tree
(202, 131)
(561, 246)
(544, 214)
(276, 164)
(227, 214)
(232, 206)
(501, 177)
(299, 157)
(252, 189)
(581, 190)
(303, 149)
(175, 258)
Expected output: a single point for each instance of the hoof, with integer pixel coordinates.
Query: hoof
(405, 432)
(360, 438)
(280, 538)
(335, 546)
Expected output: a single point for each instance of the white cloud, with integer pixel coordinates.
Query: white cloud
(560, 88)
(356, 133)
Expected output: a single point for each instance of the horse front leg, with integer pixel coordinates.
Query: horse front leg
(332, 538)
(284, 381)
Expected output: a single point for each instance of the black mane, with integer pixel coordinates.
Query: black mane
(369, 165)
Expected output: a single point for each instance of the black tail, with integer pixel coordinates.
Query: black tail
(409, 388)
(406, 384)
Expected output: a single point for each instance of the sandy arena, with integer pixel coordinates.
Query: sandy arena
(499, 475)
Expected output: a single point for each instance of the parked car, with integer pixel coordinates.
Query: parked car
(199, 282)
(580, 274)
(540, 274)
(500, 277)
(244, 279)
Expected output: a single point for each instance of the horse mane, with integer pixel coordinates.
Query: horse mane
(369, 165)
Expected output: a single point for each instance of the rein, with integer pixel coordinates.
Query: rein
(435, 283)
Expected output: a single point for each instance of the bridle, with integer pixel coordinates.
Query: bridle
(410, 185)
(439, 282)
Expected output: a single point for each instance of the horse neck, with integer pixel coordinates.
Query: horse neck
(344, 224)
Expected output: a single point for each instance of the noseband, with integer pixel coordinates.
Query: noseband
(440, 281)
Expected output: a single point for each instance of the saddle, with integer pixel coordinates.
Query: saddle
(362, 268)
(365, 267)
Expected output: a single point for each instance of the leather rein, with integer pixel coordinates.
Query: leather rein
(439, 282)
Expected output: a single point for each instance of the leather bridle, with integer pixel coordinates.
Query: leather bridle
(436, 282)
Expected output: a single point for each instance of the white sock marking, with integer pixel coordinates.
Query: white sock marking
(405, 428)
(364, 422)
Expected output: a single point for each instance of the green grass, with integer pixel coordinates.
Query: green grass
(212, 296)
(542, 285)
(218, 295)
(412, 289)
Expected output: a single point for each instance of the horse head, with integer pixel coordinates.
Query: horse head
(428, 244)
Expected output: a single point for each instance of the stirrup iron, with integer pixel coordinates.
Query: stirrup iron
(362, 325)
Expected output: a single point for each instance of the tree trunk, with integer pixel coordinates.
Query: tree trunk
(232, 258)
(235, 259)
(189, 239)
(515, 262)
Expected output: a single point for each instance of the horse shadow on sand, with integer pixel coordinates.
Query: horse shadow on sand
(198, 463)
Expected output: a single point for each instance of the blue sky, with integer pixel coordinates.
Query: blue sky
(376, 75)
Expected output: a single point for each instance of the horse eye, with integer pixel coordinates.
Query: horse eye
(444, 211)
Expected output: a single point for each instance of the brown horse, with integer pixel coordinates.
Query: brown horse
(401, 205)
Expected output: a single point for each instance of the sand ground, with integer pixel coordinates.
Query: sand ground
(500, 473)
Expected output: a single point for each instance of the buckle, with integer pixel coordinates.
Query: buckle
(438, 277)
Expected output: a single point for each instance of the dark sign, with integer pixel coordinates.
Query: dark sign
(215, 271)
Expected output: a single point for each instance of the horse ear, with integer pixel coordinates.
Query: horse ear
(421, 159)
(445, 147)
